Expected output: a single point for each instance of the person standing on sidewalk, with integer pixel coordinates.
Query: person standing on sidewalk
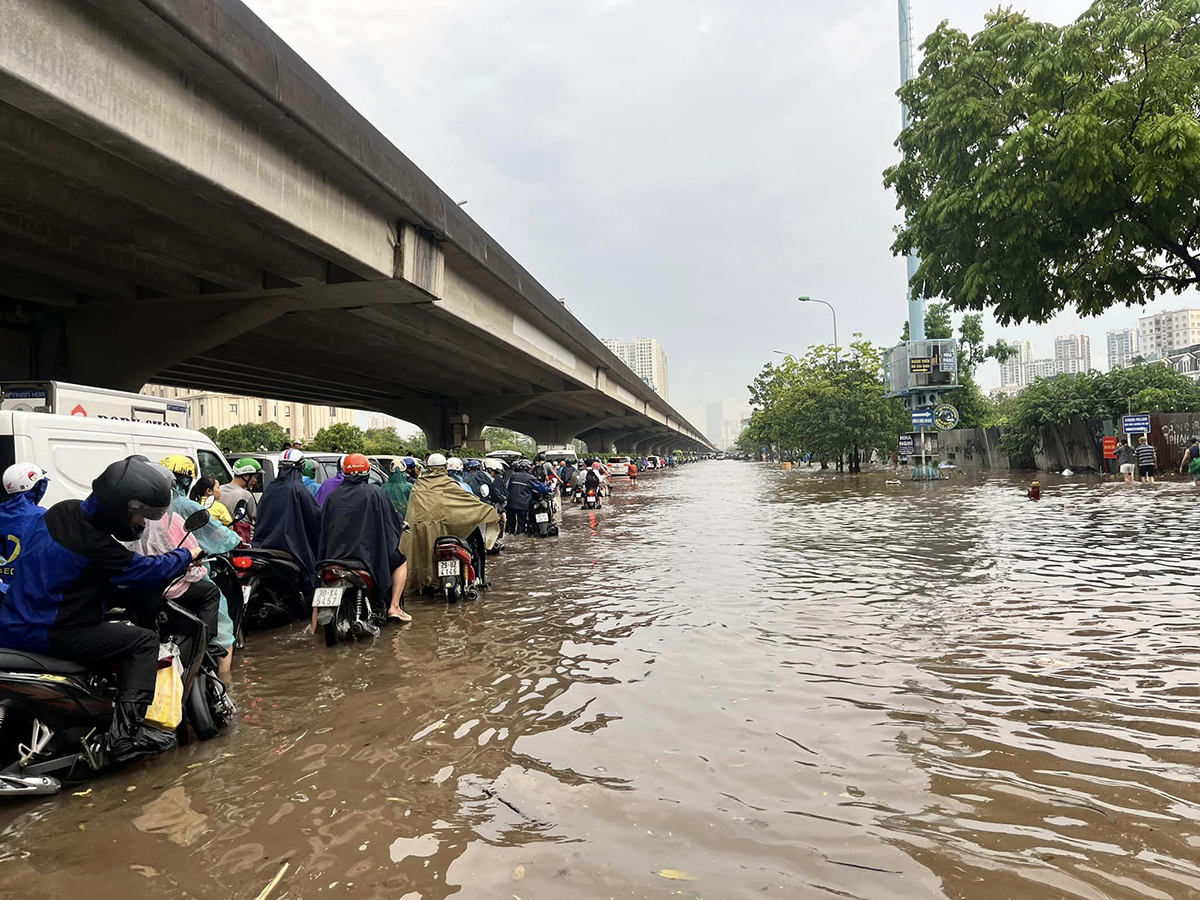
(1147, 459)
(1127, 460)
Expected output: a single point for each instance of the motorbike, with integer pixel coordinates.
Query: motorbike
(541, 516)
(65, 709)
(345, 604)
(272, 588)
(591, 499)
(456, 568)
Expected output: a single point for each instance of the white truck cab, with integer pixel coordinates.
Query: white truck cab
(74, 449)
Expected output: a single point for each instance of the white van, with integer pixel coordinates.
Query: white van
(75, 449)
(555, 452)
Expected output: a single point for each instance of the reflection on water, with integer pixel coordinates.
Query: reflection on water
(730, 682)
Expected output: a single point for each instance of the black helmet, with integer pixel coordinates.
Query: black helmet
(127, 493)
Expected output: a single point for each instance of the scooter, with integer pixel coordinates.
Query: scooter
(591, 500)
(541, 515)
(272, 588)
(455, 568)
(345, 604)
(67, 708)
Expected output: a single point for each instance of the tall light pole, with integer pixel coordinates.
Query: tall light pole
(916, 303)
(832, 310)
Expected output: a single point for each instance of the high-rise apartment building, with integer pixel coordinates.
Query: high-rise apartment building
(1123, 348)
(1165, 332)
(1014, 373)
(301, 420)
(648, 361)
(715, 422)
(1072, 354)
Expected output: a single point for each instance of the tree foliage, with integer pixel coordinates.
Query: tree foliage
(829, 405)
(267, 436)
(1144, 388)
(382, 442)
(1047, 166)
(341, 437)
(507, 439)
(211, 432)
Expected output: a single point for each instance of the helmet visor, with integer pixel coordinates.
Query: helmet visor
(138, 508)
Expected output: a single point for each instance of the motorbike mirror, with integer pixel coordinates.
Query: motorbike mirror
(196, 521)
(239, 511)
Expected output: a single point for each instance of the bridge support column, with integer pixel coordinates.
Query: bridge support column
(562, 431)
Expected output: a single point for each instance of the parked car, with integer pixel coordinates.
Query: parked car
(618, 465)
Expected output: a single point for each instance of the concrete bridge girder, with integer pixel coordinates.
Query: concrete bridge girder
(180, 160)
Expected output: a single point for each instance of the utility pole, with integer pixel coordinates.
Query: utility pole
(916, 303)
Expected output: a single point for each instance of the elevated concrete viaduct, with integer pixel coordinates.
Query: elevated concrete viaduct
(183, 199)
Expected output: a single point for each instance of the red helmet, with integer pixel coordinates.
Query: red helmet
(356, 464)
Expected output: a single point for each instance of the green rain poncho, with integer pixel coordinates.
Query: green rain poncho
(398, 487)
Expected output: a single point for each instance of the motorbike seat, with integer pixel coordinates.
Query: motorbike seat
(348, 563)
(452, 539)
(268, 553)
(24, 661)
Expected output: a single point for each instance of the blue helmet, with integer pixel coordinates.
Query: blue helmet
(472, 464)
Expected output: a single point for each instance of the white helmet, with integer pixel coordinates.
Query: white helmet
(494, 464)
(454, 464)
(435, 459)
(22, 477)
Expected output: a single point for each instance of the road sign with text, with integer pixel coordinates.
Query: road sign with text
(922, 418)
(1139, 424)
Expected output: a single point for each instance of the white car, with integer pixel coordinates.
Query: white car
(618, 465)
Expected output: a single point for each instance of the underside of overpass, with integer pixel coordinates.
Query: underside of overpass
(183, 200)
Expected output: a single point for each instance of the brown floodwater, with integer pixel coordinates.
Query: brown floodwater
(730, 682)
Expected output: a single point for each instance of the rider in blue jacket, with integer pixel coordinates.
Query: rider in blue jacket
(71, 565)
(24, 487)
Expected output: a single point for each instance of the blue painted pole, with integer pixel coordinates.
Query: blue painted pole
(916, 303)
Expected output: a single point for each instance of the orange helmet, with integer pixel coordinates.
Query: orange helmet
(356, 464)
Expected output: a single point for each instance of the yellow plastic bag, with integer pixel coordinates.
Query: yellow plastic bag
(166, 711)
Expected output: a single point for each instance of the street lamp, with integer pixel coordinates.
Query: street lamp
(832, 310)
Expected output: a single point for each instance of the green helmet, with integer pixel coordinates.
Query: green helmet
(310, 468)
(246, 466)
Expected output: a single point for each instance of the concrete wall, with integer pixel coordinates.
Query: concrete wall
(973, 448)
(1077, 445)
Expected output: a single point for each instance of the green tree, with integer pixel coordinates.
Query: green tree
(507, 439)
(1145, 388)
(1047, 166)
(341, 437)
(382, 442)
(415, 446)
(212, 433)
(829, 404)
(267, 436)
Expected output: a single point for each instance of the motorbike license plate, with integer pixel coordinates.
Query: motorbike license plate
(327, 597)
(542, 517)
(247, 590)
(448, 568)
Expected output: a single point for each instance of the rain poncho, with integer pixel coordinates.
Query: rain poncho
(358, 521)
(313, 487)
(16, 515)
(397, 488)
(214, 539)
(288, 519)
(438, 506)
(162, 536)
(328, 486)
(480, 483)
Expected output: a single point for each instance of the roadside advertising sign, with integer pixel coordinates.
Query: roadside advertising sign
(1110, 447)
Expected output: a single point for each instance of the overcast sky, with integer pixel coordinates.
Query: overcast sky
(678, 169)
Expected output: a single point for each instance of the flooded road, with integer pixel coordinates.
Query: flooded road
(730, 682)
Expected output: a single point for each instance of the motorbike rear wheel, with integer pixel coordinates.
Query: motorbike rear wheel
(197, 713)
